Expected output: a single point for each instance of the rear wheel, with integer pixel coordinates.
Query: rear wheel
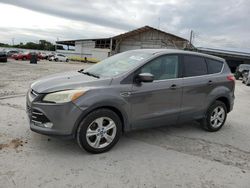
(56, 59)
(99, 131)
(215, 117)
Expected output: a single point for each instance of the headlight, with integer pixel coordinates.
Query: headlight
(63, 96)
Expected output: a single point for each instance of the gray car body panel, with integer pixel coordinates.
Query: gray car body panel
(140, 105)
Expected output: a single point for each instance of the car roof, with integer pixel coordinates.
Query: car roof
(173, 51)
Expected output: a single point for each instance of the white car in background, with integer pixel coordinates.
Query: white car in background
(59, 57)
(246, 78)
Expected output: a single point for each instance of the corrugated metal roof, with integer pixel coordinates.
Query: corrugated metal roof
(72, 42)
(143, 29)
(127, 34)
(225, 52)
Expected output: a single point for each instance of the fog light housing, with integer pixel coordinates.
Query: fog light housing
(48, 125)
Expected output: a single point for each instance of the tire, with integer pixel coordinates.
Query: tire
(209, 124)
(94, 124)
(56, 59)
(67, 60)
(247, 82)
(24, 58)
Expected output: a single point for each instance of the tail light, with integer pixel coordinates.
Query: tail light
(231, 77)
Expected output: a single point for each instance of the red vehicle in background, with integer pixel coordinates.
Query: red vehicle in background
(24, 56)
(15, 55)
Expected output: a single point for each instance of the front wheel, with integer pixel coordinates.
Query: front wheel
(215, 117)
(99, 131)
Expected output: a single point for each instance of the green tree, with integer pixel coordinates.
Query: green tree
(42, 45)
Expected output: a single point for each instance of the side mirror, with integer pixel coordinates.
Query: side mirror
(145, 77)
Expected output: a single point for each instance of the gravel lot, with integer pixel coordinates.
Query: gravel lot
(176, 156)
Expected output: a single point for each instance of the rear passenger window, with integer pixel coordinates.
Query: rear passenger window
(214, 66)
(194, 66)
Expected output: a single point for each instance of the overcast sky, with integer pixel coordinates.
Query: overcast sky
(216, 23)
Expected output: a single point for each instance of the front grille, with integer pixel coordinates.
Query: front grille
(38, 118)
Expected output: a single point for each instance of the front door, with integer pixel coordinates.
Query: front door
(157, 103)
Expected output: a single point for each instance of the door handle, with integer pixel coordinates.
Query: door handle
(210, 82)
(174, 86)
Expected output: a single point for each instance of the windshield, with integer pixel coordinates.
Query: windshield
(118, 64)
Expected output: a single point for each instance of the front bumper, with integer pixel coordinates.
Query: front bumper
(62, 116)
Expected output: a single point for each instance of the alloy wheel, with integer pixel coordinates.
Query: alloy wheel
(101, 132)
(217, 117)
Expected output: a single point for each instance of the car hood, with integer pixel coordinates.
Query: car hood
(67, 80)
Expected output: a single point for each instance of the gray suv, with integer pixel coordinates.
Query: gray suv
(132, 90)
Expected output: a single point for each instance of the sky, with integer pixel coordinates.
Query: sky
(223, 24)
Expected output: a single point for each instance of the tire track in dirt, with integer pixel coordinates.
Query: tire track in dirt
(222, 153)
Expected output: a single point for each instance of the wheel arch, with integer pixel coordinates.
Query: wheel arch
(225, 100)
(118, 111)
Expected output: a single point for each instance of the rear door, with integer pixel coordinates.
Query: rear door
(159, 102)
(196, 86)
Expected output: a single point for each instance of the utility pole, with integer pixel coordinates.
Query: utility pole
(191, 38)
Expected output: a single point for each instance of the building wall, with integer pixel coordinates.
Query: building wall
(150, 39)
(87, 49)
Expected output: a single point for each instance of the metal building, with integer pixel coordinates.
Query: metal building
(141, 38)
(233, 58)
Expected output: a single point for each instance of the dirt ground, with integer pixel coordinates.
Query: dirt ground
(175, 156)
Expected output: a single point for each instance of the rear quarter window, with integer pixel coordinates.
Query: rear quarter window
(214, 66)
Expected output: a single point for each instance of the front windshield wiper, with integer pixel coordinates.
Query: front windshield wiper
(90, 74)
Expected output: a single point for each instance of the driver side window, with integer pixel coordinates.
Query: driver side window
(163, 67)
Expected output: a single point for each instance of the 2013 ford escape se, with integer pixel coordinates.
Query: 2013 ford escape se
(132, 90)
